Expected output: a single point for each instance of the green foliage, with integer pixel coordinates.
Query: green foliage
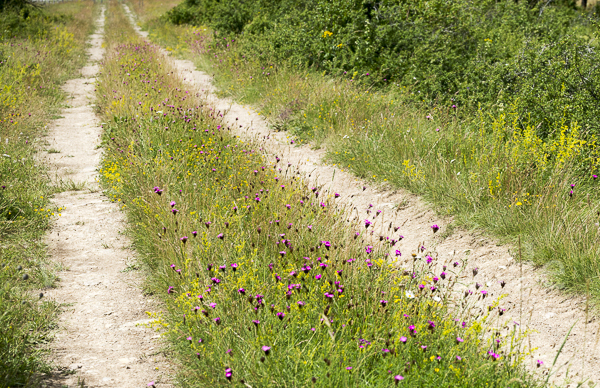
(463, 53)
(230, 16)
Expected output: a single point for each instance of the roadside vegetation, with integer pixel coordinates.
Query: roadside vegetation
(486, 109)
(266, 282)
(40, 48)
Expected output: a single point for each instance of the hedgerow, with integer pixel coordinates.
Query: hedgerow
(544, 55)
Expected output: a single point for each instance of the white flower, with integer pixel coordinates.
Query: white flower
(409, 294)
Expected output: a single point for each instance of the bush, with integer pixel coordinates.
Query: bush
(464, 53)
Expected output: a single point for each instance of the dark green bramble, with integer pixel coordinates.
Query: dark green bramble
(542, 56)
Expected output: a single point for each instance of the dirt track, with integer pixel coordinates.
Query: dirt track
(101, 340)
(100, 337)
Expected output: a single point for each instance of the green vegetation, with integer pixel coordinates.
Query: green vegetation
(39, 51)
(465, 53)
(264, 281)
(499, 130)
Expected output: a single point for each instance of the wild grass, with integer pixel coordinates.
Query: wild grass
(266, 282)
(491, 170)
(32, 68)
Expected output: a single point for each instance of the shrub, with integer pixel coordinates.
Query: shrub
(463, 53)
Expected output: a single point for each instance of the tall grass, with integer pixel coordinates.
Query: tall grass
(491, 170)
(266, 282)
(32, 68)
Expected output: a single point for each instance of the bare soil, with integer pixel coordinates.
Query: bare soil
(102, 340)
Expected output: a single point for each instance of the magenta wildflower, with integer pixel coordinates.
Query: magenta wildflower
(234, 266)
(217, 320)
(398, 378)
(280, 315)
(369, 249)
(398, 253)
(220, 235)
(412, 330)
(403, 339)
(540, 363)
(368, 223)
(435, 228)
(228, 374)
(459, 340)
(431, 325)
(172, 203)
(151, 384)
(266, 349)
(174, 211)
(256, 322)
(282, 253)
(336, 195)
(595, 177)
(213, 305)
(194, 233)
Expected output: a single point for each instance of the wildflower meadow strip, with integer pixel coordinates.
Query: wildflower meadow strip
(267, 282)
(32, 68)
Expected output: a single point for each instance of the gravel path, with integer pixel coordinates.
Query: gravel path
(102, 340)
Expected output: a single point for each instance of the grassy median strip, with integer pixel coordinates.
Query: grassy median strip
(265, 282)
(39, 51)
